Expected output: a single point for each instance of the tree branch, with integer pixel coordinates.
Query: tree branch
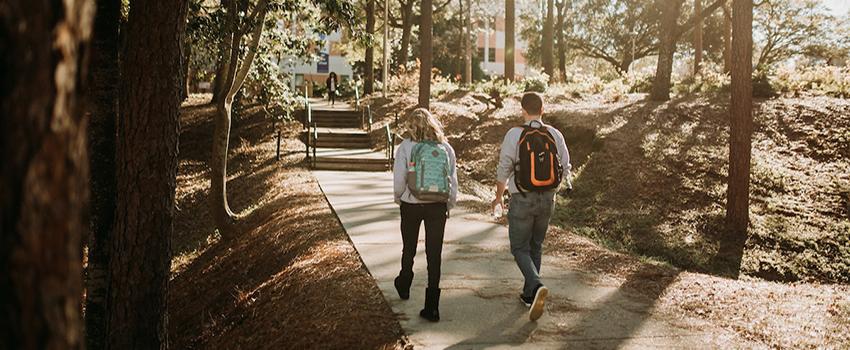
(252, 50)
(691, 22)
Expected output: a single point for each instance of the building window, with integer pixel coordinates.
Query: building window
(481, 53)
(492, 54)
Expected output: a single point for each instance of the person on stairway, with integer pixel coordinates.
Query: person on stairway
(332, 83)
(425, 187)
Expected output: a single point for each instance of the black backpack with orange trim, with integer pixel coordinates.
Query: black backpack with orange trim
(538, 166)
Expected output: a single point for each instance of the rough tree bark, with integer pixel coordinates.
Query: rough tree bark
(44, 172)
(666, 48)
(510, 39)
(727, 39)
(425, 54)
(103, 116)
(698, 37)
(146, 158)
(369, 83)
(467, 49)
(235, 77)
(406, 29)
(548, 42)
(561, 45)
(741, 120)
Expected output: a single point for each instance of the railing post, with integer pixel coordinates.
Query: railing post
(356, 96)
(315, 141)
(307, 109)
(369, 114)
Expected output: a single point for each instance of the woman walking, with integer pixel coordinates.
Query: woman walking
(331, 84)
(425, 187)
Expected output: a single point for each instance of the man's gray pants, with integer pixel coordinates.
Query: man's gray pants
(528, 220)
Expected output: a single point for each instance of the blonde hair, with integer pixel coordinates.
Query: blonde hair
(420, 125)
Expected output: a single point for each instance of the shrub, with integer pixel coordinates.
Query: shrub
(817, 80)
(535, 81)
(762, 86)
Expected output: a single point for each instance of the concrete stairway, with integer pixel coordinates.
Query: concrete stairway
(340, 142)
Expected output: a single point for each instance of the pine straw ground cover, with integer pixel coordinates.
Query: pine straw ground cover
(647, 210)
(292, 280)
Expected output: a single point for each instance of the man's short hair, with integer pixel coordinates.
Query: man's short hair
(532, 103)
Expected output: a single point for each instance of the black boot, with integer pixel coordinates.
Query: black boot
(402, 285)
(431, 312)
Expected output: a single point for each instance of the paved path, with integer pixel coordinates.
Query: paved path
(479, 306)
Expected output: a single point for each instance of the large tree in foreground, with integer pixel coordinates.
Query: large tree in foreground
(425, 54)
(44, 173)
(741, 120)
(103, 116)
(146, 159)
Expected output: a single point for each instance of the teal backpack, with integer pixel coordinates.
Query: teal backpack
(428, 172)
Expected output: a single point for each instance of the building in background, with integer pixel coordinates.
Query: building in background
(491, 48)
(308, 74)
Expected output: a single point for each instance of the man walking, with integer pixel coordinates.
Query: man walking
(532, 163)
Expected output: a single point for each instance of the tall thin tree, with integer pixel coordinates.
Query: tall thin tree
(233, 80)
(560, 39)
(425, 54)
(44, 173)
(548, 42)
(727, 39)
(698, 37)
(467, 45)
(146, 159)
(510, 39)
(741, 120)
(666, 49)
(368, 84)
(103, 116)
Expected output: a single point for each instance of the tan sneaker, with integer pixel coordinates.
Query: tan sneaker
(539, 303)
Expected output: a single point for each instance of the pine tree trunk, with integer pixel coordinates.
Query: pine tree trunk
(425, 54)
(406, 29)
(666, 50)
(510, 39)
(741, 120)
(146, 171)
(727, 39)
(103, 102)
(44, 173)
(561, 45)
(467, 49)
(548, 42)
(697, 37)
(369, 83)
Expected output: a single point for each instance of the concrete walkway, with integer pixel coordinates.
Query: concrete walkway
(479, 306)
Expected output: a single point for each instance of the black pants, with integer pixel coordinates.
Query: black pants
(331, 96)
(412, 215)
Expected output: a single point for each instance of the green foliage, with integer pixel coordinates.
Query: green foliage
(788, 27)
(711, 79)
(535, 81)
(762, 87)
(818, 80)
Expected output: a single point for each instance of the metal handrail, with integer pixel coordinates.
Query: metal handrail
(309, 110)
(390, 150)
(315, 131)
(369, 118)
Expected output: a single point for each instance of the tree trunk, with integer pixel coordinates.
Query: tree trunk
(369, 83)
(698, 37)
(103, 116)
(44, 173)
(727, 39)
(406, 29)
(667, 47)
(146, 171)
(510, 39)
(425, 54)
(741, 120)
(548, 42)
(219, 208)
(467, 45)
(561, 45)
